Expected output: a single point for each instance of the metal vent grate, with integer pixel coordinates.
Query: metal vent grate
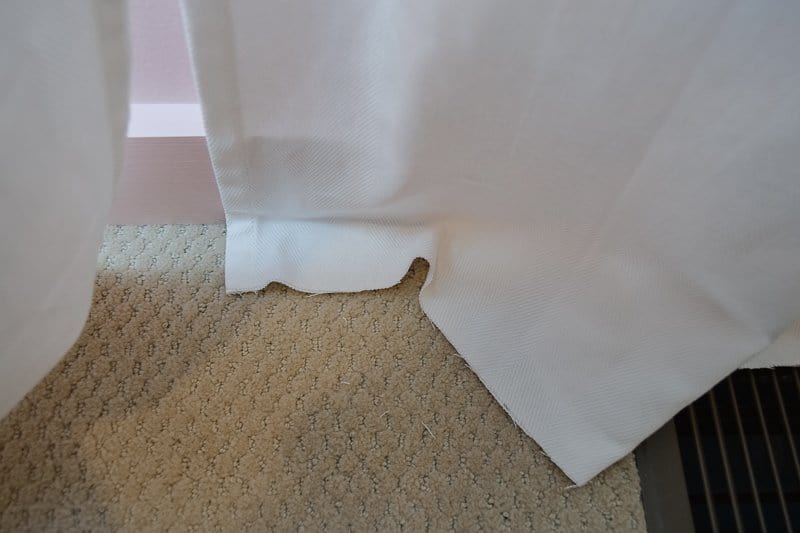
(738, 444)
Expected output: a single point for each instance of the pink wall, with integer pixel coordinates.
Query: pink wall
(167, 176)
(161, 71)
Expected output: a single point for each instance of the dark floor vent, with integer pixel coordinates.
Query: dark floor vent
(739, 448)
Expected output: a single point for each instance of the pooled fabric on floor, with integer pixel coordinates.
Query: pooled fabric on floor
(607, 192)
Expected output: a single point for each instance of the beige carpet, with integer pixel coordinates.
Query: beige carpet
(183, 408)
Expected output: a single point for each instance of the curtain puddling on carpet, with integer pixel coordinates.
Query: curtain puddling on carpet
(607, 193)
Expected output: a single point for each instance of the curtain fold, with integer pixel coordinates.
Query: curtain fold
(607, 192)
(63, 112)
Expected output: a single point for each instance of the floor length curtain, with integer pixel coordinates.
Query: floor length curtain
(63, 111)
(607, 193)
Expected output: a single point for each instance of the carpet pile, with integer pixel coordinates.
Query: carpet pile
(183, 408)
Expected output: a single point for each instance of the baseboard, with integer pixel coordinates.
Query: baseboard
(167, 176)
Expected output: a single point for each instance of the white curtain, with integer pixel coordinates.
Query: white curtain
(606, 192)
(63, 110)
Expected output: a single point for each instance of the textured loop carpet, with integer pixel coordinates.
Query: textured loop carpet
(181, 407)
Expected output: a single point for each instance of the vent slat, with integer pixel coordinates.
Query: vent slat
(725, 463)
(703, 470)
(770, 453)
